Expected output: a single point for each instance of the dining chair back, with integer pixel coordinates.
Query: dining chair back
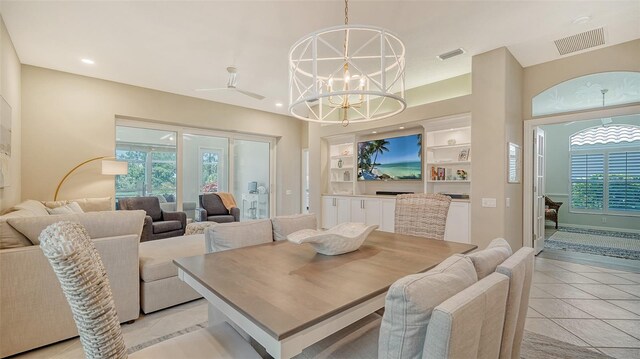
(469, 324)
(85, 284)
(519, 269)
(422, 214)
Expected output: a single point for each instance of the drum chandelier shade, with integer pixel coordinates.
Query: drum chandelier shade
(347, 74)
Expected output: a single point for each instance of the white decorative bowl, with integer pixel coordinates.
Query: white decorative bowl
(343, 238)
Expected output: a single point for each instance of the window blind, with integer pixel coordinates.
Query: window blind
(587, 181)
(623, 176)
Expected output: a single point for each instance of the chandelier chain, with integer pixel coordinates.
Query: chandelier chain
(346, 12)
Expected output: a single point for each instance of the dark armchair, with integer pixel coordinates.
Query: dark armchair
(212, 209)
(551, 210)
(158, 224)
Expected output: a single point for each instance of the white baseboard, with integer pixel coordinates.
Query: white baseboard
(600, 228)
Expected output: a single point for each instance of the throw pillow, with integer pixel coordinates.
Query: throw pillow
(486, 260)
(225, 236)
(285, 225)
(411, 300)
(34, 207)
(70, 208)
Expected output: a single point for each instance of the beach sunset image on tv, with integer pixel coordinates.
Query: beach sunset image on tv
(396, 158)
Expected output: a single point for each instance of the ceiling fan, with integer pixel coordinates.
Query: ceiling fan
(232, 83)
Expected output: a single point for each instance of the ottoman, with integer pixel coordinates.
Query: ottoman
(159, 284)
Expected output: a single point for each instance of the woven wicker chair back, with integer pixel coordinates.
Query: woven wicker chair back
(85, 284)
(423, 214)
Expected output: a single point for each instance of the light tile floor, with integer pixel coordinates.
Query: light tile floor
(588, 306)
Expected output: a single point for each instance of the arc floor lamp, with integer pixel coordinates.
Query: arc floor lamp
(110, 166)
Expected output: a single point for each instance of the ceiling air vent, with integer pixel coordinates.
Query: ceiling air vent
(581, 41)
(450, 54)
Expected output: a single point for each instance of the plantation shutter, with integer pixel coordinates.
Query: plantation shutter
(587, 181)
(624, 181)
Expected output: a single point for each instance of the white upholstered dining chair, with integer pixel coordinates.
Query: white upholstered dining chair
(85, 284)
(422, 214)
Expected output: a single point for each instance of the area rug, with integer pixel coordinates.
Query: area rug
(606, 243)
(534, 346)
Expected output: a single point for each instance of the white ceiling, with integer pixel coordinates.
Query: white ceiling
(179, 46)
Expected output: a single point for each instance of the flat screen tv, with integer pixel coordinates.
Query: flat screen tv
(390, 159)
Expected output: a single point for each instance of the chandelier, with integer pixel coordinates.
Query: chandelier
(347, 74)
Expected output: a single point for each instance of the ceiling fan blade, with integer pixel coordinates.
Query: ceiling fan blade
(251, 94)
(215, 89)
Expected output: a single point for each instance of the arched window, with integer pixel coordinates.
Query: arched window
(605, 169)
(586, 92)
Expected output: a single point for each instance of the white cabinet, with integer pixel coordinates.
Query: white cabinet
(381, 211)
(335, 210)
(366, 210)
(457, 229)
(387, 222)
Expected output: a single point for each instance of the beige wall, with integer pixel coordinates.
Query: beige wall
(622, 57)
(10, 83)
(69, 118)
(496, 120)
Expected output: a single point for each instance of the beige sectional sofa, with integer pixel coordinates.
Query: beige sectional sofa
(33, 310)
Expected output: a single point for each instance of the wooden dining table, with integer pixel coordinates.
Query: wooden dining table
(287, 297)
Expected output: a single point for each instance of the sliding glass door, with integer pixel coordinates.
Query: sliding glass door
(252, 177)
(205, 168)
(178, 164)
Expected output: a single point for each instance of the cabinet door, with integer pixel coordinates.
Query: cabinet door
(457, 229)
(343, 212)
(357, 212)
(388, 214)
(329, 212)
(372, 211)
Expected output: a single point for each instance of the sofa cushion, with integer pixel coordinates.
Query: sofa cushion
(224, 218)
(224, 236)
(156, 257)
(411, 300)
(98, 224)
(10, 238)
(212, 203)
(72, 207)
(486, 260)
(285, 225)
(166, 226)
(34, 207)
(87, 204)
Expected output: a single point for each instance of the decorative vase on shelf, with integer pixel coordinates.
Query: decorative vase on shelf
(451, 142)
(340, 163)
(346, 176)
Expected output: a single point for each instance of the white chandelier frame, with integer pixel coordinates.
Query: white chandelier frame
(310, 93)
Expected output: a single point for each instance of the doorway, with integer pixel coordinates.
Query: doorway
(582, 184)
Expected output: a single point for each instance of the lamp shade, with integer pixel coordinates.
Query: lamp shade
(113, 167)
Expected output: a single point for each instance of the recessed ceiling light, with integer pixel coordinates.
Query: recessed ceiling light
(278, 104)
(374, 131)
(88, 61)
(582, 20)
(171, 138)
(401, 127)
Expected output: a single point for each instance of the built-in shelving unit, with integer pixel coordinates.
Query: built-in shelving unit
(342, 165)
(448, 160)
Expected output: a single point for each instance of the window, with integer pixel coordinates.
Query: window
(624, 181)
(152, 163)
(209, 160)
(605, 169)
